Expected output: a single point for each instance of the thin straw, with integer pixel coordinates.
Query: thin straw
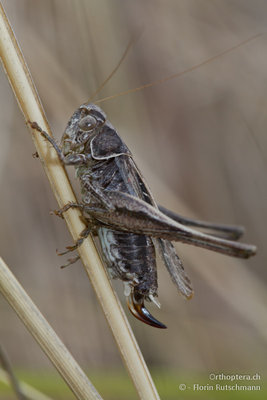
(28, 391)
(45, 336)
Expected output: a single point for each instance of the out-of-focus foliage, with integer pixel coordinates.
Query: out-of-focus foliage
(115, 385)
(200, 140)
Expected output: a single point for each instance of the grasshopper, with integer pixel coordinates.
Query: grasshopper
(119, 207)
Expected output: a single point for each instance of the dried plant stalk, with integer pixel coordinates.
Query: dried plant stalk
(11, 378)
(45, 336)
(28, 100)
(28, 391)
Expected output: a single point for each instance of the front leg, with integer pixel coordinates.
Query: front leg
(70, 159)
(77, 159)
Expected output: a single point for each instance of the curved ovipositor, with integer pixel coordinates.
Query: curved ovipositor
(139, 311)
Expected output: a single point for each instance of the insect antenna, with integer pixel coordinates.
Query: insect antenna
(132, 41)
(176, 75)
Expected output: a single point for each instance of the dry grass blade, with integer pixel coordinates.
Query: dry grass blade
(28, 391)
(45, 336)
(11, 378)
(25, 92)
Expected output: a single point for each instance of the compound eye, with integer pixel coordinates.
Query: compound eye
(87, 123)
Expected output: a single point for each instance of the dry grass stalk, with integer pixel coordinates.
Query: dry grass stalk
(45, 336)
(28, 391)
(28, 100)
(10, 376)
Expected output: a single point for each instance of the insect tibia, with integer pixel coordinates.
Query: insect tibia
(52, 141)
(70, 261)
(135, 215)
(226, 231)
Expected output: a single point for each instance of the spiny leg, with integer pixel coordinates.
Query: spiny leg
(69, 159)
(226, 231)
(134, 215)
(77, 159)
(35, 126)
(131, 214)
(67, 206)
(83, 235)
(71, 261)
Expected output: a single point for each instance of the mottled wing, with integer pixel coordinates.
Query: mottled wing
(175, 267)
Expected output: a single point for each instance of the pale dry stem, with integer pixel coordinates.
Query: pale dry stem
(29, 392)
(11, 377)
(45, 336)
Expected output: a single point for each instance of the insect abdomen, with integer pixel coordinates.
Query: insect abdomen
(131, 258)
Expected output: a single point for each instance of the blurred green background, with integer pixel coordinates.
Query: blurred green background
(200, 141)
